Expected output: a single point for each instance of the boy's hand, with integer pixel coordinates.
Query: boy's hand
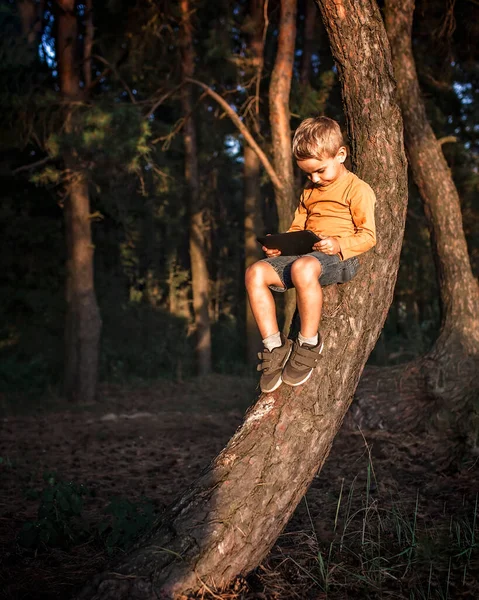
(328, 245)
(270, 252)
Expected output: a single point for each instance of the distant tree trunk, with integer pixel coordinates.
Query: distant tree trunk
(31, 14)
(279, 117)
(199, 268)
(227, 521)
(310, 14)
(252, 250)
(252, 173)
(438, 392)
(83, 323)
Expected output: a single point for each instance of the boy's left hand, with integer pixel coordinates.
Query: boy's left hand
(328, 245)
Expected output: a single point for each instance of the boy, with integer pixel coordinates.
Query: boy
(339, 208)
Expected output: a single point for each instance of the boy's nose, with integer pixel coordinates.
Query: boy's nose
(315, 178)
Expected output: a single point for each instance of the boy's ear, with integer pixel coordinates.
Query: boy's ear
(342, 154)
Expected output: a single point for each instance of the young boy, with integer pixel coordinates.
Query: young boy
(338, 207)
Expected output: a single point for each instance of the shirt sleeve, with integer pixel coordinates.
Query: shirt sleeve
(362, 203)
(300, 216)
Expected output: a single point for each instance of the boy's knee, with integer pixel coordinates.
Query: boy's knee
(255, 274)
(304, 270)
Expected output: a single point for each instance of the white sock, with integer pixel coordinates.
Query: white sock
(312, 341)
(272, 341)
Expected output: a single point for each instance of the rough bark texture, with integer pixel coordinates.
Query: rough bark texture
(83, 323)
(279, 115)
(199, 268)
(230, 517)
(439, 391)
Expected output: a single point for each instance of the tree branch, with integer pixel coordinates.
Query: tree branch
(162, 99)
(37, 163)
(243, 130)
(447, 139)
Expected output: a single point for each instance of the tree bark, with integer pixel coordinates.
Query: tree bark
(83, 322)
(230, 517)
(199, 268)
(438, 392)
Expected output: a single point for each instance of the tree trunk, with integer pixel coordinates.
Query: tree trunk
(227, 521)
(252, 250)
(83, 322)
(437, 392)
(31, 15)
(252, 179)
(310, 13)
(279, 115)
(199, 268)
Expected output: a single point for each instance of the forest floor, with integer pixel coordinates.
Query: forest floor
(380, 521)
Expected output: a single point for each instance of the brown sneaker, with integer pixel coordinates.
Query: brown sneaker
(272, 364)
(301, 363)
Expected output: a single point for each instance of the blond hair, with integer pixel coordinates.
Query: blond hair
(317, 137)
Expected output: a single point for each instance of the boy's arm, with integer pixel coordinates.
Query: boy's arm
(300, 215)
(362, 214)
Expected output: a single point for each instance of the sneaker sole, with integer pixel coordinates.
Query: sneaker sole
(307, 376)
(280, 381)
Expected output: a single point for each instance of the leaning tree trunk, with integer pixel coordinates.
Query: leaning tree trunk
(83, 323)
(437, 392)
(227, 521)
(199, 267)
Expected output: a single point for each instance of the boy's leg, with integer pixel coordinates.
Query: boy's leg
(305, 273)
(258, 278)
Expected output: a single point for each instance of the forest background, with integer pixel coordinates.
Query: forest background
(128, 143)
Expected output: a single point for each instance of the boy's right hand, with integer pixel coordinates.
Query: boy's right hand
(271, 252)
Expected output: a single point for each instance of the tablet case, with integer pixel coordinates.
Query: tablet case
(291, 243)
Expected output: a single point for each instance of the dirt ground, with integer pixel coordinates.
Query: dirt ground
(154, 441)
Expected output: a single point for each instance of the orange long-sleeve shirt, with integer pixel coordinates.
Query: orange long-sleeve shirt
(344, 209)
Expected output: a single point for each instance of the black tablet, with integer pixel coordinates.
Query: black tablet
(291, 243)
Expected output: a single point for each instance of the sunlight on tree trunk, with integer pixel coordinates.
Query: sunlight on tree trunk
(227, 521)
(279, 117)
(199, 268)
(437, 392)
(83, 323)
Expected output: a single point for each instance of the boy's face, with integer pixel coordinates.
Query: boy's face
(324, 171)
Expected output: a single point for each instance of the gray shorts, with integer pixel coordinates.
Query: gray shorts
(333, 269)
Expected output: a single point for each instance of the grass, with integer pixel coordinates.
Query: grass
(386, 548)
